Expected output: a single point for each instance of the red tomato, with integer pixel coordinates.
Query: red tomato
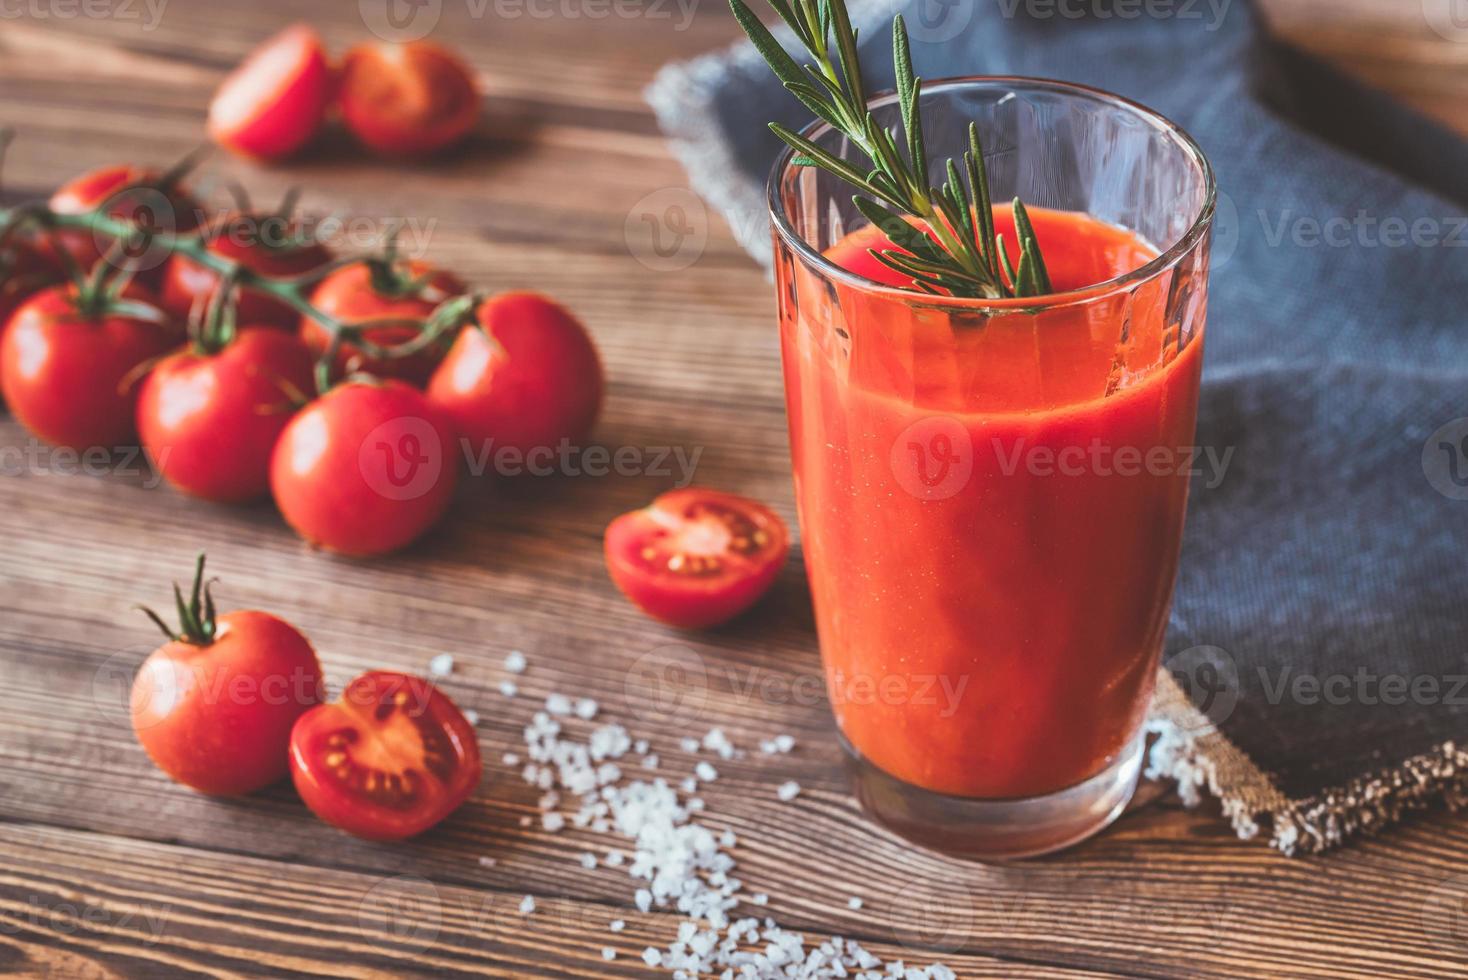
(68, 376)
(365, 469)
(390, 759)
(129, 193)
(696, 557)
(534, 380)
(210, 421)
(407, 100)
(215, 705)
(270, 245)
(275, 101)
(357, 292)
(24, 271)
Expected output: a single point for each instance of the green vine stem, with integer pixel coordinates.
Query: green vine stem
(294, 291)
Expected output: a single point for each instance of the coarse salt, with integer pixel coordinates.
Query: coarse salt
(441, 665)
(515, 662)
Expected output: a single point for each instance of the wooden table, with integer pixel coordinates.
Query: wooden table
(107, 868)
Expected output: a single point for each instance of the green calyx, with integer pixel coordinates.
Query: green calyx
(196, 616)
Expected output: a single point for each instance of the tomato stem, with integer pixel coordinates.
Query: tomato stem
(196, 617)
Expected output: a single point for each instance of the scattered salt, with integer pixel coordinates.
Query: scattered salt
(853, 903)
(652, 956)
(706, 772)
(510, 759)
(552, 822)
(558, 704)
(607, 953)
(471, 716)
(515, 662)
(441, 665)
(527, 905)
(588, 861)
(788, 791)
(508, 689)
(617, 925)
(689, 745)
(485, 861)
(717, 741)
(586, 708)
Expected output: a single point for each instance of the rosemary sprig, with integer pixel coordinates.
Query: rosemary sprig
(962, 256)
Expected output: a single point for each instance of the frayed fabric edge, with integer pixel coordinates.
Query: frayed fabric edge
(1190, 750)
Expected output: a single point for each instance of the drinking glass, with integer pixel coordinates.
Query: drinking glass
(991, 492)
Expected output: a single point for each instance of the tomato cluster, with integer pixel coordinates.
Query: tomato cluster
(233, 702)
(398, 100)
(342, 387)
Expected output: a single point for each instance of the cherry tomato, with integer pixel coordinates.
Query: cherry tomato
(214, 706)
(410, 290)
(696, 557)
(407, 100)
(270, 244)
(209, 422)
(275, 101)
(69, 376)
(25, 270)
(390, 759)
(129, 193)
(365, 469)
(529, 379)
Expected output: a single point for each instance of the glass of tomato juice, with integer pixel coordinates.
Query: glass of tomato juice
(991, 492)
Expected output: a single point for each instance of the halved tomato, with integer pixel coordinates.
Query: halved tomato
(390, 759)
(275, 101)
(696, 557)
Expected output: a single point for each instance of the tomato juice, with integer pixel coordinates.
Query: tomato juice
(991, 499)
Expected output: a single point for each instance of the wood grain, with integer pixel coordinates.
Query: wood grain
(108, 869)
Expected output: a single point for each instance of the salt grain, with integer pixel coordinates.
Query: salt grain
(586, 708)
(508, 689)
(441, 665)
(558, 704)
(515, 662)
(485, 861)
(788, 791)
(652, 956)
(706, 772)
(588, 861)
(853, 903)
(607, 953)
(617, 925)
(527, 905)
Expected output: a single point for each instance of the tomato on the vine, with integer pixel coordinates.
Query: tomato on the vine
(407, 100)
(390, 759)
(144, 197)
(24, 271)
(209, 421)
(214, 706)
(272, 245)
(69, 362)
(364, 469)
(527, 380)
(377, 290)
(696, 557)
(275, 101)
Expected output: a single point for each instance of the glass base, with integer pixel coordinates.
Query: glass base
(996, 830)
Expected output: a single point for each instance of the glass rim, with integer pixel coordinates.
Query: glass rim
(1163, 261)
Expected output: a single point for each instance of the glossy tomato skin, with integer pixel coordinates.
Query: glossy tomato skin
(263, 244)
(390, 759)
(128, 192)
(24, 271)
(349, 295)
(276, 100)
(529, 379)
(209, 422)
(365, 469)
(695, 557)
(218, 717)
(71, 379)
(407, 100)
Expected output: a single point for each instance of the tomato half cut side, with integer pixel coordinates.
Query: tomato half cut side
(696, 557)
(390, 759)
(275, 101)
